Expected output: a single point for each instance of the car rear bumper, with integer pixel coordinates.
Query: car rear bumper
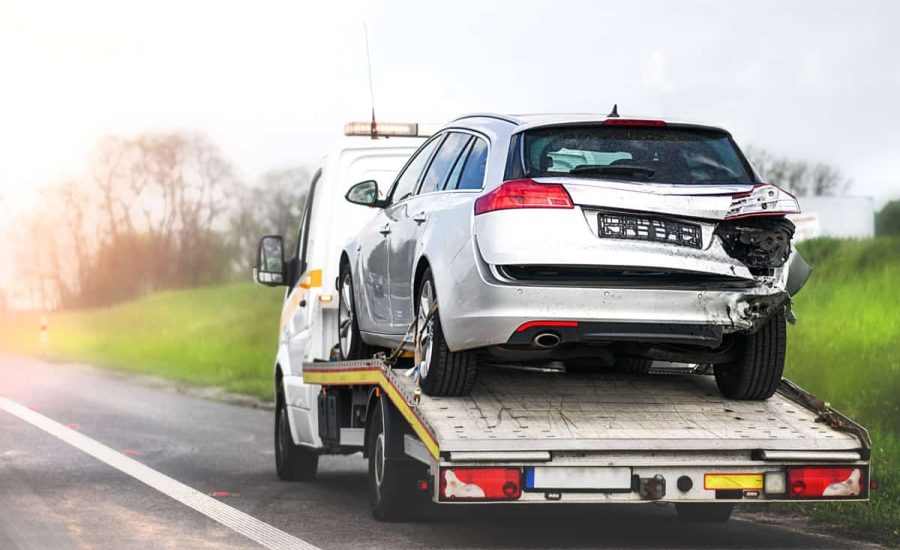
(485, 312)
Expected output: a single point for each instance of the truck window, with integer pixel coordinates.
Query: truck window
(302, 245)
(408, 179)
(443, 162)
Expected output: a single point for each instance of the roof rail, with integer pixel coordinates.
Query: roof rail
(504, 118)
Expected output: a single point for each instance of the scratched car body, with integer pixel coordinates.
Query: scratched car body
(595, 241)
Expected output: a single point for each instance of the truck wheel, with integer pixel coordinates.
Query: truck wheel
(441, 372)
(704, 512)
(630, 364)
(756, 373)
(393, 491)
(292, 462)
(350, 343)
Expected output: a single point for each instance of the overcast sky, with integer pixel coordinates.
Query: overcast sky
(274, 82)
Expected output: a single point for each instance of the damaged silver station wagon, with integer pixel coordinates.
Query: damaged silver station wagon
(596, 241)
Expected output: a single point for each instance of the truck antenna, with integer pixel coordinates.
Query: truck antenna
(374, 129)
(615, 112)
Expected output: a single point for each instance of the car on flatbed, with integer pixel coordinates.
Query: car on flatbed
(596, 241)
(525, 434)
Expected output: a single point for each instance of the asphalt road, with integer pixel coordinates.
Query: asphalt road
(53, 495)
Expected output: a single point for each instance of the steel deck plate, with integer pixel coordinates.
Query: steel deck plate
(658, 412)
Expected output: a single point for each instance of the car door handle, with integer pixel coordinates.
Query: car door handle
(419, 218)
(385, 229)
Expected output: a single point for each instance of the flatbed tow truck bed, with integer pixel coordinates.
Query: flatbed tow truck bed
(606, 437)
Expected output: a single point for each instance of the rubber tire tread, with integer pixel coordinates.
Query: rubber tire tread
(299, 464)
(451, 374)
(755, 376)
(630, 364)
(399, 500)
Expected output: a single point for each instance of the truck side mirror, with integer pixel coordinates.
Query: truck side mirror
(270, 270)
(364, 193)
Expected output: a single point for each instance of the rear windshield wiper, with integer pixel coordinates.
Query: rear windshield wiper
(613, 170)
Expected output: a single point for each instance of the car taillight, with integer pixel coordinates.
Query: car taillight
(762, 200)
(824, 482)
(481, 483)
(524, 194)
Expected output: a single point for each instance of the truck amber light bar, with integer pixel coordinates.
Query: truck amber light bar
(381, 129)
(762, 200)
(817, 482)
(545, 324)
(481, 483)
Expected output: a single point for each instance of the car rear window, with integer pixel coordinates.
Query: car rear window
(673, 155)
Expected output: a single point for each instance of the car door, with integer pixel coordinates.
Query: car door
(374, 242)
(408, 219)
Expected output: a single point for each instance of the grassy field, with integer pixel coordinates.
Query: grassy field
(221, 336)
(845, 348)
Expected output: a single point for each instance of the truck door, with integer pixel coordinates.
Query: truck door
(299, 308)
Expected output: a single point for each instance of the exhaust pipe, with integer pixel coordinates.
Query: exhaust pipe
(546, 340)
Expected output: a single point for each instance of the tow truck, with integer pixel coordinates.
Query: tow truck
(525, 434)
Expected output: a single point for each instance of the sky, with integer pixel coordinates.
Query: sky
(273, 82)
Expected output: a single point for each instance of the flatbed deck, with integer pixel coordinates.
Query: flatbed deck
(515, 410)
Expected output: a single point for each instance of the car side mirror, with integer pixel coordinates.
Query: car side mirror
(270, 270)
(364, 193)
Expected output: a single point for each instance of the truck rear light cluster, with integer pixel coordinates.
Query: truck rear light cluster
(762, 200)
(815, 482)
(481, 484)
(524, 193)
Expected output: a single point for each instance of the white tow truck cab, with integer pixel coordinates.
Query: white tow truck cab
(308, 326)
(524, 435)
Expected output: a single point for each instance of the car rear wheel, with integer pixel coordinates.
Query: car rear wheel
(350, 343)
(704, 512)
(756, 373)
(441, 372)
(292, 462)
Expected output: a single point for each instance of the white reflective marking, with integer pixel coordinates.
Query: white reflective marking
(245, 524)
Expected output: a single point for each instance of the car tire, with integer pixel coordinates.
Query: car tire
(350, 342)
(442, 372)
(292, 462)
(756, 373)
(393, 484)
(704, 512)
(630, 364)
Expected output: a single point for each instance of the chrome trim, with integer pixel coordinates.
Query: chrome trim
(836, 456)
(500, 456)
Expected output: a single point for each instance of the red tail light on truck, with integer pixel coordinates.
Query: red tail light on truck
(481, 483)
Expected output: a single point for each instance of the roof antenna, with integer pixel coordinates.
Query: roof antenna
(374, 128)
(614, 113)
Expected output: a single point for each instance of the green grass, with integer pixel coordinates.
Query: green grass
(845, 348)
(223, 336)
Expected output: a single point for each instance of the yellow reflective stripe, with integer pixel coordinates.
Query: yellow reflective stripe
(733, 481)
(375, 375)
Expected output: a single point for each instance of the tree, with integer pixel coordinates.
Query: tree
(887, 220)
(798, 176)
(272, 207)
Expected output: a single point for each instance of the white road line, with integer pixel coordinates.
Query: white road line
(245, 524)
